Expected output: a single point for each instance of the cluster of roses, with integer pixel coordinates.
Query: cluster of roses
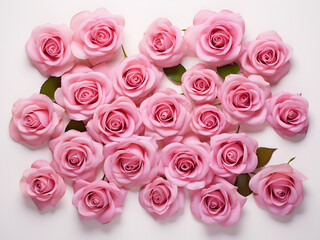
(151, 137)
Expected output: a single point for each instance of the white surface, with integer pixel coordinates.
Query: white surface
(298, 22)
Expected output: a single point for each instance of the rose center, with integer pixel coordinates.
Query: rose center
(162, 42)
(87, 94)
(134, 78)
(102, 35)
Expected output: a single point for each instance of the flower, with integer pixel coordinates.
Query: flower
(278, 188)
(35, 120)
(49, 49)
(98, 200)
(42, 184)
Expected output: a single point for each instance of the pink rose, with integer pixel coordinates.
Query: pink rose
(218, 203)
(267, 56)
(82, 91)
(207, 120)
(243, 99)
(288, 114)
(49, 49)
(131, 162)
(42, 184)
(35, 120)
(98, 200)
(216, 37)
(163, 44)
(166, 115)
(278, 188)
(115, 121)
(186, 164)
(200, 84)
(233, 154)
(136, 77)
(161, 198)
(97, 35)
(75, 155)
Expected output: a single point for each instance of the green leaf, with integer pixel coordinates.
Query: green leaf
(264, 154)
(50, 86)
(175, 73)
(228, 69)
(76, 125)
(242, 182)
(291, 160)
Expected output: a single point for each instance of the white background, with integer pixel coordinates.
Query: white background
(298, 22)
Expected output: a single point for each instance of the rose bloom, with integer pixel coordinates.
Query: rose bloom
(161, 198)
(98, 200)
(288, 114)
(267, 56)
(82, 90)
(166, 115)
(233, 154)
(75, 155)
(115, 121)
(163, 44)
(42, 184)
(49, 49)
(35, 120)
(131, 162)
(97, 35)
(278, 188)
(136, 77)
(216, 37)
(200, 84)
(243, 99)
(218, 203)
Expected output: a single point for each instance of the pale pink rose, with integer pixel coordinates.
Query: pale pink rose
(186, 164)
(49, 49)
(200, 84)
(267, 56)
(82, 91)
(35, 120)
(288, 114)
(97, 35)
(163, 44)
(131, 162)
(218, 203)
(161, 198)
(166, 115)
(243, 99)
(136, 77)
(42, 184)
(233, 154)
(216, 37)
(278, 188)
(75, 155)
(113, 122)
(98, 200)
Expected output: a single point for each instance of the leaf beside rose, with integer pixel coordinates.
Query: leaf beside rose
(175, 73)
(49, 87)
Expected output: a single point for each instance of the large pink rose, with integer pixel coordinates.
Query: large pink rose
(162, 43)
(278, 188)
(200, 84)
(49, 49)
(75, 155)
(267, 56)
(243, 99)
(98, 200)
(288, 114)
(136, 77)
(218, 203)
(161, 198)
(233, 154)
(216, 37)
(115, 121)
(97, 35)
(131, 162)
(83, 90)
(35, 120)
(42, 184)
